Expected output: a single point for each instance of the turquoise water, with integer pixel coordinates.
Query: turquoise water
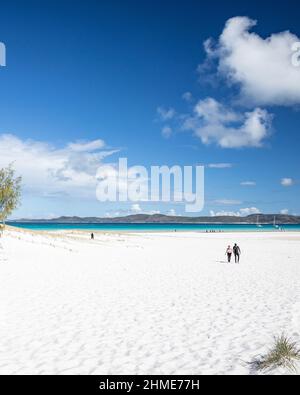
(155, 227)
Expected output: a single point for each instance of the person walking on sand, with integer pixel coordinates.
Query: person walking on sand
(237, 253)
(92, 236)
(229, 253)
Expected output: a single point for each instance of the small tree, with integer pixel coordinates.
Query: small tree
(10, 193)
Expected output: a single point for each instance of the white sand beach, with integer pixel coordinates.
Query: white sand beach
(144, 303)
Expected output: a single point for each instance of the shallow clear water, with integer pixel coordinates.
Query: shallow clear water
(156, 227)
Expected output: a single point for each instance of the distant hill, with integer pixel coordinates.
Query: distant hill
(165, 219)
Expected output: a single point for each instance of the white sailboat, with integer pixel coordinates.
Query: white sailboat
(257, 223)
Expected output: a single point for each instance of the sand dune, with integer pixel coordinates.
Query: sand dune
(144, 303)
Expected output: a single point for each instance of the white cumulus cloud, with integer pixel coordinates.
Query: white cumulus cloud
(243, 212)
(287, 182)
(285, 211)
(214, 123)
(172, 213)
(261, 67)
(249, 211)
(136, 208)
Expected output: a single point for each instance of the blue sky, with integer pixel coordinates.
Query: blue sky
(115, 73)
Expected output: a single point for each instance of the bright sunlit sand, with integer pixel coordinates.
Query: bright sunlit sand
(144, 303)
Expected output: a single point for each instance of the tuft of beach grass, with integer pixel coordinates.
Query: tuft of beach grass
(284, 354)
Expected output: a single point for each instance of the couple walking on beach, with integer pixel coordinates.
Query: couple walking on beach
(236, 251)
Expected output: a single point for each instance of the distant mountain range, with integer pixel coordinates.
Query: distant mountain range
(165, 219)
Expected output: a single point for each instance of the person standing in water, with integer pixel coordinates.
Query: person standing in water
(237, 253)
(229, 253)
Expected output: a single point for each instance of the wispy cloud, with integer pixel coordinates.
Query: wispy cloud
(166, 132)
(166, 114)
(248, 183)
(83, 146)
(220, 165)
(227, 202)
(49, 171)
(187, 96)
